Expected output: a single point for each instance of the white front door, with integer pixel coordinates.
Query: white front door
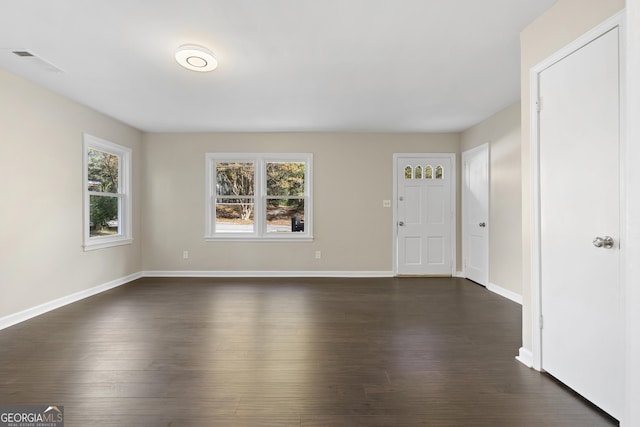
(475, 214)
(581, 304)
(424, 215)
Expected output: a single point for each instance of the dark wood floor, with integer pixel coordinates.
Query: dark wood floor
(285, 352)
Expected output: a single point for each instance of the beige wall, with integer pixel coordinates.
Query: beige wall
(503, 133)
(41, 220)
(564, 22)
(352, 176)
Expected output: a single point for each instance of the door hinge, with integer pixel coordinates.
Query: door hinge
(540, 322)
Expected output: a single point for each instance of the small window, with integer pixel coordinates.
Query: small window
(107, 193)
(418, 174)
(428, 172)
(258, 196)
(439, 172)
(408, 172)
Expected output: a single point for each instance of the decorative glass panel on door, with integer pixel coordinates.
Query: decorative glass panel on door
(418, 173)
(428, 172)
(408, 172)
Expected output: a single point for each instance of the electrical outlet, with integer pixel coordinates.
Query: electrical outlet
(318, 254)
(185, 254)
(386, 203)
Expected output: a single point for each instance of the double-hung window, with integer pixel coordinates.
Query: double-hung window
(259, 196)
(107, 193)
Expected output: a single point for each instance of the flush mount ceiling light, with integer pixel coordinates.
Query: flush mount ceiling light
(196, 58)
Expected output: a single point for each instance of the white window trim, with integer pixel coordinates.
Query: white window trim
(259, 234)
(124, 236)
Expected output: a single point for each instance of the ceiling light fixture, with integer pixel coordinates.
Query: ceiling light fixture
(196, 58)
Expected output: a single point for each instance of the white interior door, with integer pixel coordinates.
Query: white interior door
(424, 215)
(475, 214)
(581, 305)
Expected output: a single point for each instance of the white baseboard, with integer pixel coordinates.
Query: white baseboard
(459, 274)
(517, 298)
(32, 312)
(181, 273)
(525, 357)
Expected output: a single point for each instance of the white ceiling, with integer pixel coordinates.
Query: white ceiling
(285, 65)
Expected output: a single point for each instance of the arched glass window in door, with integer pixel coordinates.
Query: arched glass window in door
(428, 172)
(439, 172)
(408, 172)
(418, 173)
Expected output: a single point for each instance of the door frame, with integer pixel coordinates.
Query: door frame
(632, 213)
(487, 147)
(535, 275)
(454, 216)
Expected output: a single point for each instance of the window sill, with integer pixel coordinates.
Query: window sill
(91, 246)
(237, 238)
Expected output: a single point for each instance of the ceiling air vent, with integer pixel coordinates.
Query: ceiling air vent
(22, 53)
(34, 59)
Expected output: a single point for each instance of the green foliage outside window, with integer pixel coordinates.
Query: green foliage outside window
(285, 179)
(103, 183)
